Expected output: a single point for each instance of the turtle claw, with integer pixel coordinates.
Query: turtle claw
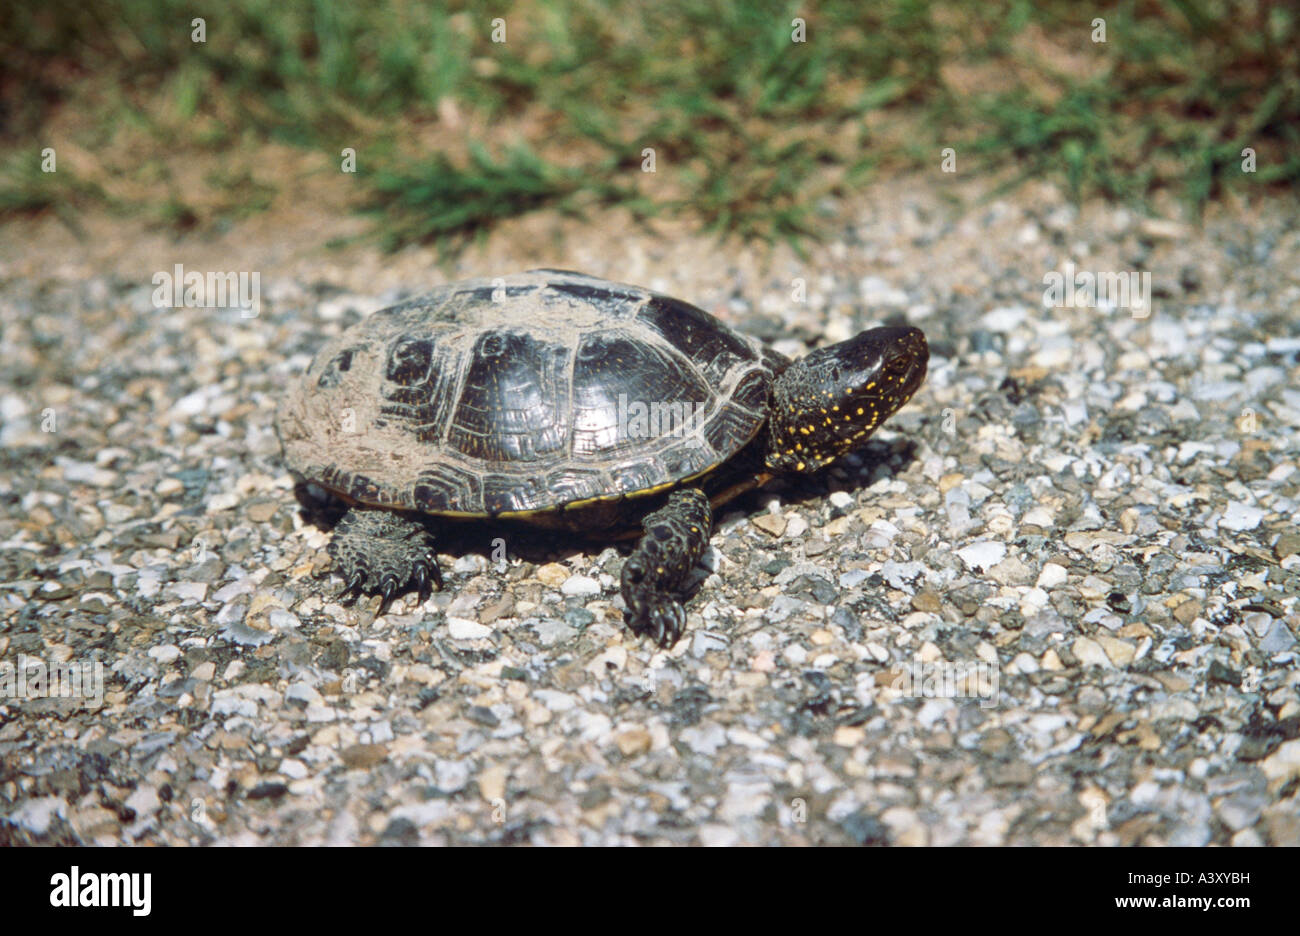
(389, 590)
(655, 574)
(354, 584)
(661, 620)
(421, 577)
(383, 551)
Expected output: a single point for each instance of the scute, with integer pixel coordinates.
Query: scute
(409, 362)
(614, 375)
(522, 394)
(513, 407)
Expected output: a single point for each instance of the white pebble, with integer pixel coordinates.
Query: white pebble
(982, 555)
(1039, 517)
(1024, 663)
(167, 653)
(465, 629)
(1004, 318)
(1051, 576)
(580, 586)
(1241, 516)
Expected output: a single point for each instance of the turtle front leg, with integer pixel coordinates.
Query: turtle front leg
(653, 576)
(383, 552)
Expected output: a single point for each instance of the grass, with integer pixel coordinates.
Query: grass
(26, 188)
(1171, 104)
(434, 200)
(751, 132)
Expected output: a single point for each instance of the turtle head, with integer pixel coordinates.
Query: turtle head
(831, 401)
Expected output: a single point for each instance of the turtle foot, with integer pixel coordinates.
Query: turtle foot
(385, 553)
(653, 576)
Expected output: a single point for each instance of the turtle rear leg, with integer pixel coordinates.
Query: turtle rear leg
(383, 552)
(653, 576)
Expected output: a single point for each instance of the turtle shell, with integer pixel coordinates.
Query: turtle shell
(522, 395)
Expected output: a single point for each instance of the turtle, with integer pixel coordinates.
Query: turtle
(561, 400)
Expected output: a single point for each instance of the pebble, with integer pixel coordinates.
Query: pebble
(188, 591)
(36, 815)
(1247, 838)
(1161, 229)
(168, 487)
(143, 800)
(492, 783)
(223, 501)
(1011, 571)
(1094, 588)
(1188, 611)
(1039, 517)
(1288, 544)
(713, 835)
(465, 629)
(261, 511)
(1240, 516)
(1090, 653)
(841, 500)
(282, 620)
(364, 756)
(982, 555)
(553, 574)
(1051, 575)
(782, 607)
(580, 586)
(76, 472)
(1120, 652)
(633, 741)
(706, 739)
(927, 600)
(165, 653)
(1283, 765)
(1277, 638)
(302, 692)
(1004, 318)
(245, 635)
(469, 564)
(1096, 508)
(552, 631)
(854, 578)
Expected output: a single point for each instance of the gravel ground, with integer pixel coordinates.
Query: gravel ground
(1094, 510)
